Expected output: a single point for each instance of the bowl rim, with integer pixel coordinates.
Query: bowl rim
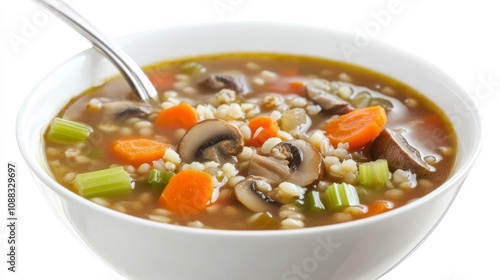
(459, 174)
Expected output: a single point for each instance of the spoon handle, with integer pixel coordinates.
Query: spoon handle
(137, 79)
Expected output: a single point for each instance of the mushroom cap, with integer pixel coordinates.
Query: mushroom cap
(306, 162)
(393, 147)
(326, 100)
(211, 140)
(236, 82)
(254, 200)
(294, 161)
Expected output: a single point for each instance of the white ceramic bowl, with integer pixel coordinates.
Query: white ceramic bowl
(143, 249)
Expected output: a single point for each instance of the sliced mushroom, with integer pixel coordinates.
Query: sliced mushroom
(327, 101)
(275, 170)
(125, 109)
(211, 140)
(393, 147)
(294, 161)
(255, 200)
(235, 82)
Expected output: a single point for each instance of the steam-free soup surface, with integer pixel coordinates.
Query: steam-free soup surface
(253, 141)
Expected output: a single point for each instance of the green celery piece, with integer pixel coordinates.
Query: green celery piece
(264, 220)
(107, 182)
(314, 201)
(159, 178)
(374, 174)
(338, 196)
(193, 68)
(66, 132)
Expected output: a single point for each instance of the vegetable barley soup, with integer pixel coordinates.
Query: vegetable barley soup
(253, 141)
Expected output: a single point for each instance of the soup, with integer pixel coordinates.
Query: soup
(249, 141)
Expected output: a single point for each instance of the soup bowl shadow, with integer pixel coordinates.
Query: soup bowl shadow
(142, 249)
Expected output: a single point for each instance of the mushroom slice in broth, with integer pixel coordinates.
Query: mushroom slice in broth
(393, 147)
(211, 140)
(294, 161)
(246, 192)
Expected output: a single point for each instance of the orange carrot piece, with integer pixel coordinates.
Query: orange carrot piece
(188, 192)
(263, 128)
(178, 116)
(296, 87)
(161, 80)
(357, 128)
(379, 207)
(290, 72)
(136, 151)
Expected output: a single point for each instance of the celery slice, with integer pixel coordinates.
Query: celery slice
(193, 68)
(65, 131)
(338, 196)
(313, 201)
(107, 182)
(374, 174)
(263, 220)
(159, 178)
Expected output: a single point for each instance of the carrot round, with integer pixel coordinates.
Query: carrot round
(263, 128)
(178, 116)
(296, 87)
(188, 192)
(378, 207)
(357, 128)
(138, 151)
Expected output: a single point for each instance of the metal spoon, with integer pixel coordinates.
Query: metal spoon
(134, 75)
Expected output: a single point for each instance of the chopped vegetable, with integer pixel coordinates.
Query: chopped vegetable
(357, 128)
(382, 102)
(263, 128)
(338, 196)
(65, 131)
(137, 151)
(297, 87)
(193, 68)
(175, 117)
(361, 100)
(159, 178)
(263, 220)
(161, 80)
(313, 201)
(188, 192)
(107, 182)
(378, 207)
(294, 119)
(374, 174)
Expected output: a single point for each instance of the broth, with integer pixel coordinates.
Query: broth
(258, 185)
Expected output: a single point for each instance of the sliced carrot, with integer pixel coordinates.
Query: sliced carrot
(296, 87)
(378, 207)
(290, 72)
(175, 117)
(161, 80)
(357, 128)
(188, 192)
(137, 151)
(263, 128)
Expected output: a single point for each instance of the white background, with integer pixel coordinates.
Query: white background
(460, 37)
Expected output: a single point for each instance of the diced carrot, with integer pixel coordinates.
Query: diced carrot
(378, 207)
(296, 87)
(290, 72)
(175, 117)
(262, 128)
(188, 192)
(161, 80)
(136, 151)
(357, 128)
